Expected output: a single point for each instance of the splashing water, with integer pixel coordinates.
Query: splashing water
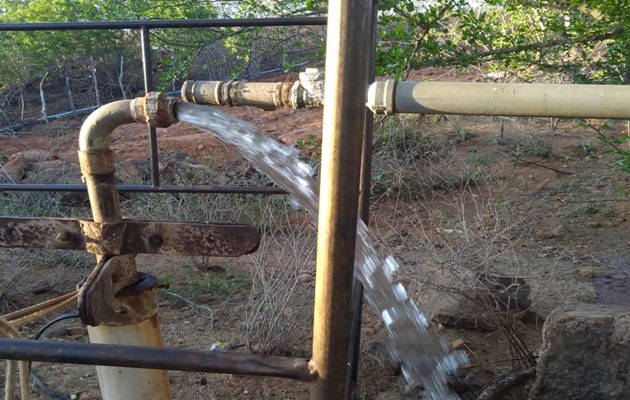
(424, 357)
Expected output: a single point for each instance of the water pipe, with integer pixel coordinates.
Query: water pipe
(501, 99)
(304, 93)
(407, 97)
(115, 284)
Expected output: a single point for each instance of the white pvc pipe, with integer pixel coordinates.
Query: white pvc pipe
(506, 99)
(118, 383)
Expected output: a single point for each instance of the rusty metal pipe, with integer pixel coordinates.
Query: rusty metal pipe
(345, 93)
(96, 158)
(110, 322)
(304, 93)
(97, 161)
(116, 355)
(507, 99)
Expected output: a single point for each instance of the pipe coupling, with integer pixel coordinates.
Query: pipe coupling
(380, 97)
(155, 109)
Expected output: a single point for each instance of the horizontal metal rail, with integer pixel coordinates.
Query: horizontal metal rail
(162, 24)
(11, 187)
(156, 358)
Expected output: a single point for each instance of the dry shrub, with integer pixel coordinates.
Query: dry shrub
(459, 258)
(280, 306)
(411, 160)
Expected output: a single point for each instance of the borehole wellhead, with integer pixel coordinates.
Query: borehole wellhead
(155, 109)
(308, 92)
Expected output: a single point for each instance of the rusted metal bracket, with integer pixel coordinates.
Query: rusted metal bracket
(115, 294)
(129, 237)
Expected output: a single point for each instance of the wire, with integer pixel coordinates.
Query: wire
(55, 321)
(34, 378)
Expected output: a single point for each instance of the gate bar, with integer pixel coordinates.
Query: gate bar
(18, 187)
(162, 23)
(155, 358)
(344, 118)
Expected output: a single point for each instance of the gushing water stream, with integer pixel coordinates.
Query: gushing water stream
(424, 357)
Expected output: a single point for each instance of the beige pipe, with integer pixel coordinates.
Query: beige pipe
(507, 99)
(97, 160)
(131, 383)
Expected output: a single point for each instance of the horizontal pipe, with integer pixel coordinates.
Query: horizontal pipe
(15, 187)
(501, 99)
(266, 96)
(157, 23)
(156, 358)
(307, 92)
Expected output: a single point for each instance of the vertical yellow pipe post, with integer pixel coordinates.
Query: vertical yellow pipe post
(344, 119)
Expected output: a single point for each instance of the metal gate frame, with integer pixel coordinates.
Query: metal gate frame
(349, 65)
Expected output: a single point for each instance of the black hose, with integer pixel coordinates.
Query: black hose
(34, 378)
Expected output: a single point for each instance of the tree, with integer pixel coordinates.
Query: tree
(582, 40)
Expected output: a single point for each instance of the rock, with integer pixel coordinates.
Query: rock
(468, 320)
(303, 278)
(479, 378)
(33, 156)
(503, 292)
(593, 224)
(206, 298)
(133, 171)
(587, 273)
(14, 169)
(53, 171)
(381, 353)
(544, 234)
(369, 332)
(585, 354)
(458, 344)
(302, 134)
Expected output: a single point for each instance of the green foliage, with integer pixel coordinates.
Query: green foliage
(583, 41)
(603, 210)
(620, 147)
(310, 147)
(218, 284)
(585, 149)
(462, 135)
(528, 145)
(477, 160)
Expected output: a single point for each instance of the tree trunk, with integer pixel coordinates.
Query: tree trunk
(21, 104)
(66, 75)
(6, 117)
(2, 112)
(42, 97)
(94, 81)
(120, 78)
